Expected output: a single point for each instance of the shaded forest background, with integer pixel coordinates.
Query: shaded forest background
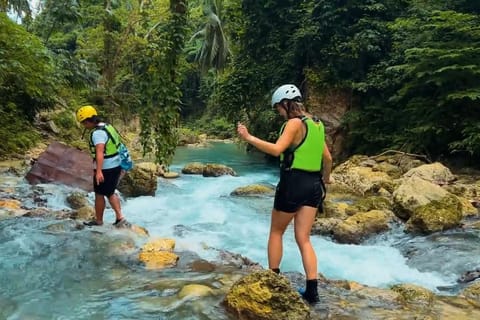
(410, 67)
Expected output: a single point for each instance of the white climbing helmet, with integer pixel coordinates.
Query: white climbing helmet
(287, 91)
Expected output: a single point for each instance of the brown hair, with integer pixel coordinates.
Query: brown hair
(294, 108)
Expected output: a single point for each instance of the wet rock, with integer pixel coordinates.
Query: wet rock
(194, 291)
(253, 190)
(413, 294)
(10, 203)
(76, 200)
(202, 266)
(241, 262)
(469, 276)
(140, 181)
(438, 215)
(217, 170)
(84, 213)
(369, 203)
(157, 254)
(170, 175)
(63, 164)
(264, 295)
(193, 168)
(361, 226)
(472, 294)
(414, 192)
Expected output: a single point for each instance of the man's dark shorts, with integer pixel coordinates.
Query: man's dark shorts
(298, 188)
(110, 181)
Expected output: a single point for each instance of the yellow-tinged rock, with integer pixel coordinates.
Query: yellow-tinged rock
(10, 203)
(413, 294)
(171, 175)
(258, 297)
(158, 260)
(354, 286)
(160, 244)
(141, 231)
(195, 290)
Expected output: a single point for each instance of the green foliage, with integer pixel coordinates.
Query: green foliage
(217, 127)
(213, 48)
(19, 7)
(17, 134)
(26, 71)
(424, 98)
(160, 84)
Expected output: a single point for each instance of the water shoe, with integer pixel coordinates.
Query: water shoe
(91, 223)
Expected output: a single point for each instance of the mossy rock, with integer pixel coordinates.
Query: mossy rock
(264, 295)
(472, 294)
(416, 295)
(369, 203)
(438, 215)
(253, 190)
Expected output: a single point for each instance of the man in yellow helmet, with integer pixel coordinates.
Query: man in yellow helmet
(103, 149)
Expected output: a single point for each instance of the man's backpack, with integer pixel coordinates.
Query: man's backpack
(126, 162)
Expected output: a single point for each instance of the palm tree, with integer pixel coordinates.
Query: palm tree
(20, 7)
(214, 49)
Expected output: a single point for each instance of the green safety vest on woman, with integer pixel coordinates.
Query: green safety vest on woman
(308, 155)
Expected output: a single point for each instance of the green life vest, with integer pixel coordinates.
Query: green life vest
(112, 144)
(308, 154)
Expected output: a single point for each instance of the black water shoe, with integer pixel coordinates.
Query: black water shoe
(91, 223)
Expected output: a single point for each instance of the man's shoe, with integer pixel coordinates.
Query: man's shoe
(121, 223)
(91, 223)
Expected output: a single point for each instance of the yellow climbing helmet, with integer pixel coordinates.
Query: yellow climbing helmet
(85, 112)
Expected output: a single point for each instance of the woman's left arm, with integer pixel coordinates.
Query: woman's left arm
(327, 165)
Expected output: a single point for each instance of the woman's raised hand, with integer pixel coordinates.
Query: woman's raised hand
(242, 131)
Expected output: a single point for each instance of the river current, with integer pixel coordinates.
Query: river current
(50, 274)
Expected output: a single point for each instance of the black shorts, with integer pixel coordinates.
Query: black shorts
(110, 181)
(298, 188)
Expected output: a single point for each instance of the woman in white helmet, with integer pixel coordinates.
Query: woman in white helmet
(304, 157)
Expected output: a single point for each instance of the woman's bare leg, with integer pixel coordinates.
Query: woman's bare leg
(304, 219)
(279, 223)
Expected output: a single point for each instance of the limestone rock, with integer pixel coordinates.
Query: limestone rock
(140, 181)
(264, 295)
(193, 168)
(157, 254)
(253, 190)
(76, 200)
(438, 215)
(435, 172)
(217, 170)
(414, 192)
(194, 291)
(362, 225)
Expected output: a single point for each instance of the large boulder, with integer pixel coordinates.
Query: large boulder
(253, 190)
(358, 175)
(362, 225)
(436, 173)
(414, 192)
(62, 164)
(158, 254)
(217, 170)
(264, 295)
(140, 181)
(437, 215)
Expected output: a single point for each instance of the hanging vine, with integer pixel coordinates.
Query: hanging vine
(160, 82)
